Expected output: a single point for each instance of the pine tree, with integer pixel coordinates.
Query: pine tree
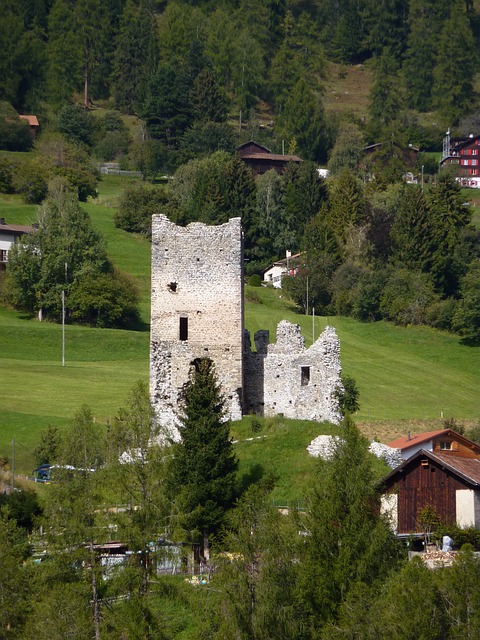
(420, 56)
(386, 98)
(64, 73)
(456, 65)
(135, 56)
(137, 470)
(204, 468)
(74, 524)
(413, 232)
(256, 583)
(348, 543)
(302, 123)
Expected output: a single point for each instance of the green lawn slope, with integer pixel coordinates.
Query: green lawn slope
(408, 377)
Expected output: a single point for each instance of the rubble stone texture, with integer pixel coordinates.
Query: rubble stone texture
(197, 311)
(286, 378)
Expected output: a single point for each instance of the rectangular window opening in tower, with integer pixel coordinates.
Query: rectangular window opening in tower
(305, 376)
(183, 332)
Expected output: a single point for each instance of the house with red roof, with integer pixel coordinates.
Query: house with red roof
(441, 469)
(442, 441)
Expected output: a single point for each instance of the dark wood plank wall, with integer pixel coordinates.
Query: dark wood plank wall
(423, 486)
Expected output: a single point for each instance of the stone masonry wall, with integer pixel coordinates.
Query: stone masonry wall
(287, 378)
(197, 310)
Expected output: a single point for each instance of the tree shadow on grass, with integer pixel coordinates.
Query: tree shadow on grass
(257, 475)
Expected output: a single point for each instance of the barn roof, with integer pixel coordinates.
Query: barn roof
(466, 468)
(16, 228)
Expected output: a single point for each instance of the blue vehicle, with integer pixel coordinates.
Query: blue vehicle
(45, 472)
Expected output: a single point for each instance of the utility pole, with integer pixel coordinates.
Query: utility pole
(13, 463)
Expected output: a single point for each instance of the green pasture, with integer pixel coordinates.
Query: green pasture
(413, 373)
(404, 374)
(101, 367)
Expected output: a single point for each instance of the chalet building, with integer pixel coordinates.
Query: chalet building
(444, 475)
(463, 153)
(444, 441)
(10, 233)
(288, 266)
(260, 159)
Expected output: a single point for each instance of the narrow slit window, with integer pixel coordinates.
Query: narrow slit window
(183, 328)
(305, 376)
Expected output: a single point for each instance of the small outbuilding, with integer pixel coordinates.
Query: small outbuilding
(450, 484)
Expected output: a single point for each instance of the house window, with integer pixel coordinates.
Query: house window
(474, 162)
(445, 446)
(3, 255)
(474, 152)
(183, 333)
(305, 376)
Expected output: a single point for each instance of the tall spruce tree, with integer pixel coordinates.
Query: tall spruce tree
(204, 469)
(135, 56)
(347, 543)
(456, 65)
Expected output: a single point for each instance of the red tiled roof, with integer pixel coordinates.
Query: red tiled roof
(410, 441)
(32, 120)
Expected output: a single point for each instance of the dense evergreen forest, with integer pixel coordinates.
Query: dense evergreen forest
(197, 79)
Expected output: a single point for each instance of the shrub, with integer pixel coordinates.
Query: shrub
(105, 300)
(406, 297)
(367, 297)
(76, 124)
(348, 396)
(137, 205)
(112, 146)
(30, 180)
(440, 314)
(7, 170)
(255, 280)
(344, 282)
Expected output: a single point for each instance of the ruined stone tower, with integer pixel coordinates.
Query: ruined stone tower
(197, 310)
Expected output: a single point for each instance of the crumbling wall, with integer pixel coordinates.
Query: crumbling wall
(297, 382)
(196, 310)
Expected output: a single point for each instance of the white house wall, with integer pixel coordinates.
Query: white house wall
(468, 508)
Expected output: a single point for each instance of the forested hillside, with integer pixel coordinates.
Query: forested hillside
(172, 88)
(181, 65)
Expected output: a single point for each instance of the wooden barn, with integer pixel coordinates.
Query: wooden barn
(260, 159)
(448, 483)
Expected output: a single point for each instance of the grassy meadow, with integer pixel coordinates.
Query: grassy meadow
(408, 378)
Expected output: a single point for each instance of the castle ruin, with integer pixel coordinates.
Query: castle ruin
(197, 311)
